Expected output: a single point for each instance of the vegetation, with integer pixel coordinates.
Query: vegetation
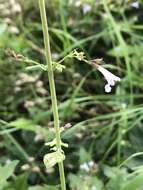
(101, 129)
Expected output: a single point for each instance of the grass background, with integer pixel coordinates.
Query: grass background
(105, 128)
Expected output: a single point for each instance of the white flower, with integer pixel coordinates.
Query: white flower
(29, 103)
(13, 30)
(87, 166)
(77, 3)
(84, 167)
(135, 4)
(111, 78)
(86, 8)
(25, 167)
(91, 164)
(93, 188)
(16, 9)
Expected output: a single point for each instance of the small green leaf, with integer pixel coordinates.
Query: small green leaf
(53, 158)
(19, 183)
(84, 156)
(22, 123)
(45, 187)
(36, 67)
(6, 171)
(117, 178)
(51, 143)
(59, 67)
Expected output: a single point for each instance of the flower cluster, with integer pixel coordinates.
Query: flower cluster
(88, 166)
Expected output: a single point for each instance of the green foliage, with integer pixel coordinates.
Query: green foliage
(87, 182)
(135, 183)
(23, 123)
(6, 172)
(20, 182)
(117, 178)
(106, 129)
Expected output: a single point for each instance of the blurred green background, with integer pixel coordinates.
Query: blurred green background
(106, 129)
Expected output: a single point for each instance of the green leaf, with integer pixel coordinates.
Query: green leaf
(45, 187)
(37, 67)
(21, 182)
(84, 156)
(75, 181)
(134, 183)
(87, 182)
(118, 51)
(22, 123)
(2, 28)
(6, 171)
(117, 178)
(53, 158)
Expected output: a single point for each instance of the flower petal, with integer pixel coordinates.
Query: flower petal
(111, 78)
(108, 88)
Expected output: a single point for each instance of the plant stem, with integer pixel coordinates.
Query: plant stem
(52, 87)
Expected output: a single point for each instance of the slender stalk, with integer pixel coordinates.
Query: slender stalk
(52, 87)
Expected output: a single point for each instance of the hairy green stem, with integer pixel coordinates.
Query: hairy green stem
(52, 87)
